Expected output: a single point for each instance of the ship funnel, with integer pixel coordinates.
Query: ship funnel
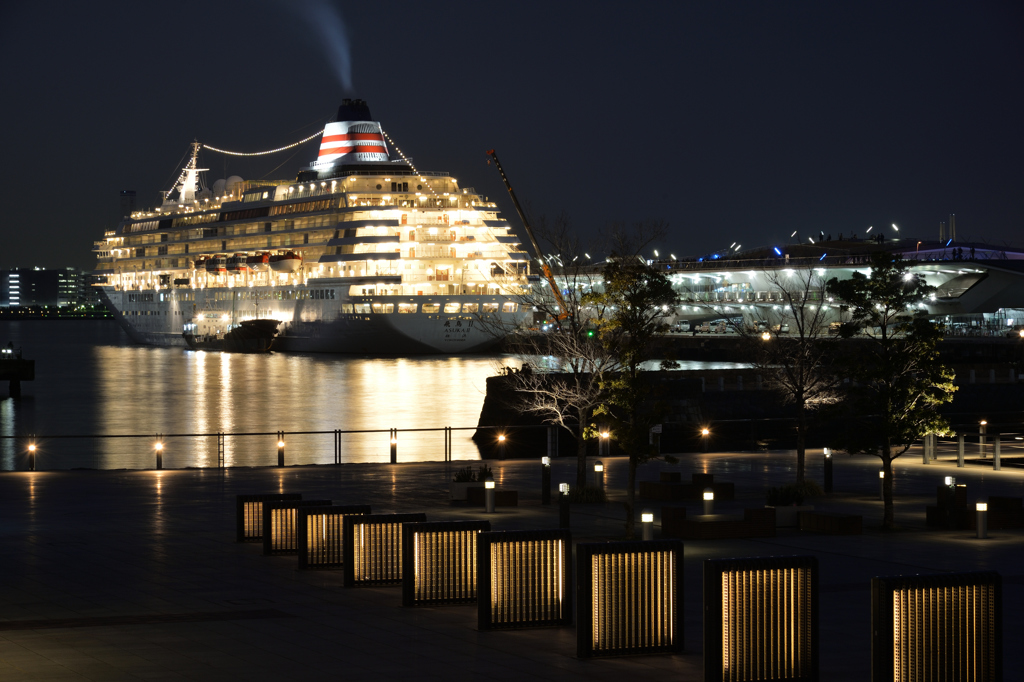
(352, 137)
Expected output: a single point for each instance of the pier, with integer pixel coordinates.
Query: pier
(123, 574)
(14, 369)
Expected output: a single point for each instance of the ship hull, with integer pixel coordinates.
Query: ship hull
(315, 326)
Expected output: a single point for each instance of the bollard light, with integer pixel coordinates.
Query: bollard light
(881, 484)
(563, 505)
(599, 474)
(647, 523)
(765, 336)
(949, 480)
(709, 501)
(563, 488)
(828, 452)
(828, 470)
(545, 480)
(981, 519)
(598, 467)
(489, 495)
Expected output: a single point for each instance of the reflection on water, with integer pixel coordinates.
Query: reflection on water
(91, 380)
(171, 391)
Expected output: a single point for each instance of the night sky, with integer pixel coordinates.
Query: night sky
(734, 122)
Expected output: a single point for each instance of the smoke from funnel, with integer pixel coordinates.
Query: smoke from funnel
(329, 27)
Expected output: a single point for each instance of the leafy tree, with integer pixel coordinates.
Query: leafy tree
(898, 379)
(633, 293)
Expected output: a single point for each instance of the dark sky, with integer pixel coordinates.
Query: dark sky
(732, 121)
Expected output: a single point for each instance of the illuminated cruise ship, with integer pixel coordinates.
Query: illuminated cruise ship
(360, 253)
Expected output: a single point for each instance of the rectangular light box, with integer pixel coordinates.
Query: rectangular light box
(439, 562)
(280, 525)
(937, 627)
(249, 514)
(524, 578)
(629, 598)
(373, 548)
(761, 619)
(321, 534)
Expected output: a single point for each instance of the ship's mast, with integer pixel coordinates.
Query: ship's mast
(189, 178)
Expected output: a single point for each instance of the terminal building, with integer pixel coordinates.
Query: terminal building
(979, 289)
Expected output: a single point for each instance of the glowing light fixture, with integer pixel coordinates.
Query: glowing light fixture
(761, 619)
(320, 534)
(945, 626)
(280, 523)
(629, 598)
(437, 560)
(524, 579)
(373, 548)
(249, 514)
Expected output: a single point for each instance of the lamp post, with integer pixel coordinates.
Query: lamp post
(489, 496)
(881, 484)
(31, 456)
(982, 430)
(501, 446)
(280, 448)
(704, 433)
(159, 447)
(545, 480)
(603, 444)
(394, 446)
(563, 505)
(647, 522)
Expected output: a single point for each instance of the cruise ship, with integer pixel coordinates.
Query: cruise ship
(360, 253)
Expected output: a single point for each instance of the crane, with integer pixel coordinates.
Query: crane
(533, 240)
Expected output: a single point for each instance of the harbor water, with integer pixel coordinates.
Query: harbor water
(92, 382)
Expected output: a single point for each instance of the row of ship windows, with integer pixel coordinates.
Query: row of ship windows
(451, 307)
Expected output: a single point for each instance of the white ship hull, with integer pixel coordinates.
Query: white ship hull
(317, 326)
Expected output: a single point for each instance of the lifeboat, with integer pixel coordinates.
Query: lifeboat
(259, 261)
(237, 263)
(286, 262)
(217, 264)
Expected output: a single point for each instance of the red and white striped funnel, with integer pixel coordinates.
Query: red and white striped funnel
(352, 137)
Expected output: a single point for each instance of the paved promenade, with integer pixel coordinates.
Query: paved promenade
(125, 575)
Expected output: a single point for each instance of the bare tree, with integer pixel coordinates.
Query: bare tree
(794, 348)
(568, 390)
(790, 342)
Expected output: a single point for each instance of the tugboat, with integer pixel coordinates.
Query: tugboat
(249, 336)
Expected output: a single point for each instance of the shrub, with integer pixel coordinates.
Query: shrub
(586, 494)
(793, 494)
(485, 473)
(464, 475)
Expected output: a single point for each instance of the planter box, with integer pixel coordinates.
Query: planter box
(458, 491)
(789, 516)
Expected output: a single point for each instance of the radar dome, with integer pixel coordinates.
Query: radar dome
(218, 187)
(234, 185)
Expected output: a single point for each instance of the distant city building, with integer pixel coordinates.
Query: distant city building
(39, 286)
(127, 202)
